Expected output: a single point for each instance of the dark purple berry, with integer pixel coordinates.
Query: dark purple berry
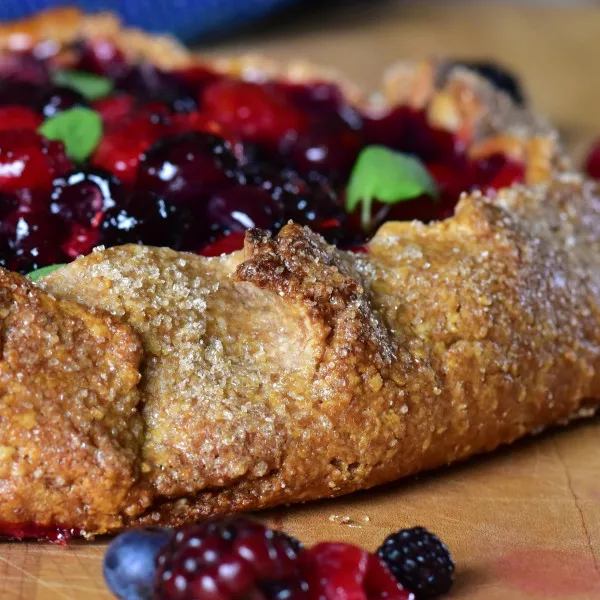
(145, 218)
(331, 152)
(58, 99)
(149, 84)
(84, 196)
(32, 239)
(18, 93)
(230, 559)
(187, 167)
(130, 562)
(23, 66)
(242, 207)
(420, 561)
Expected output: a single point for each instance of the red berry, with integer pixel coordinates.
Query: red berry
(511, 173)
(114, 109)
(388, 129)
(29, 161)
(336, 570)
(197, 121)
(81, 241)
(19, 117)
(121, 149)
(226, 244)
(252, 111)
(592, 164)
(230, 559)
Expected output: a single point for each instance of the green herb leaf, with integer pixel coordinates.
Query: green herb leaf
(92, 87)
(35, 275)
(80, 129)
(387, 176)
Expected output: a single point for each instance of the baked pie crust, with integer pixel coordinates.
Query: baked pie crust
(142, 385)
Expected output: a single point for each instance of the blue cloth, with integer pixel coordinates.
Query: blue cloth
(189, 20)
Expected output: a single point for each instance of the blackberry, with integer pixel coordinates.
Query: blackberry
(420, 561)
(500, 77)
(230, 558)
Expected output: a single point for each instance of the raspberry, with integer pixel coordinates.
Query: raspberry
(420, 561)
(252, 111)
(230, 559)
(592, 164)
(335, 570)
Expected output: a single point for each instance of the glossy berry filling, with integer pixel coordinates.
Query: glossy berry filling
(54, 534)
(190, 159)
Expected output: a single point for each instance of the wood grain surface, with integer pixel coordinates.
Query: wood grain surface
(524, 522)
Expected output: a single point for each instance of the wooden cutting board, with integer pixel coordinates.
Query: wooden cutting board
(524, 522)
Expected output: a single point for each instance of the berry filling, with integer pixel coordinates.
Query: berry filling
(190, 159)
(55, 534)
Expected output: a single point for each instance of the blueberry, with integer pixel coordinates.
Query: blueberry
(129, 562)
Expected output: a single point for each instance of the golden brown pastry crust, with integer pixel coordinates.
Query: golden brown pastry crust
(292, 370)
(70, 430)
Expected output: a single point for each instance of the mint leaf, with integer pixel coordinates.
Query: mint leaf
(92, 87)
(80, 129)
(387, 176)
(35, 275)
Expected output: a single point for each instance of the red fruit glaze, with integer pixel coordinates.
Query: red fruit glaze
(337, 570)
(224, 245)
(19, 117)
(252, 111)
(55, 534)
(592, 164)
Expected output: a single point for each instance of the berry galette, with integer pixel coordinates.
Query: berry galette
(257, 285)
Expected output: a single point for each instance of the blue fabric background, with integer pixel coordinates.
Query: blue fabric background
(189, 20)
